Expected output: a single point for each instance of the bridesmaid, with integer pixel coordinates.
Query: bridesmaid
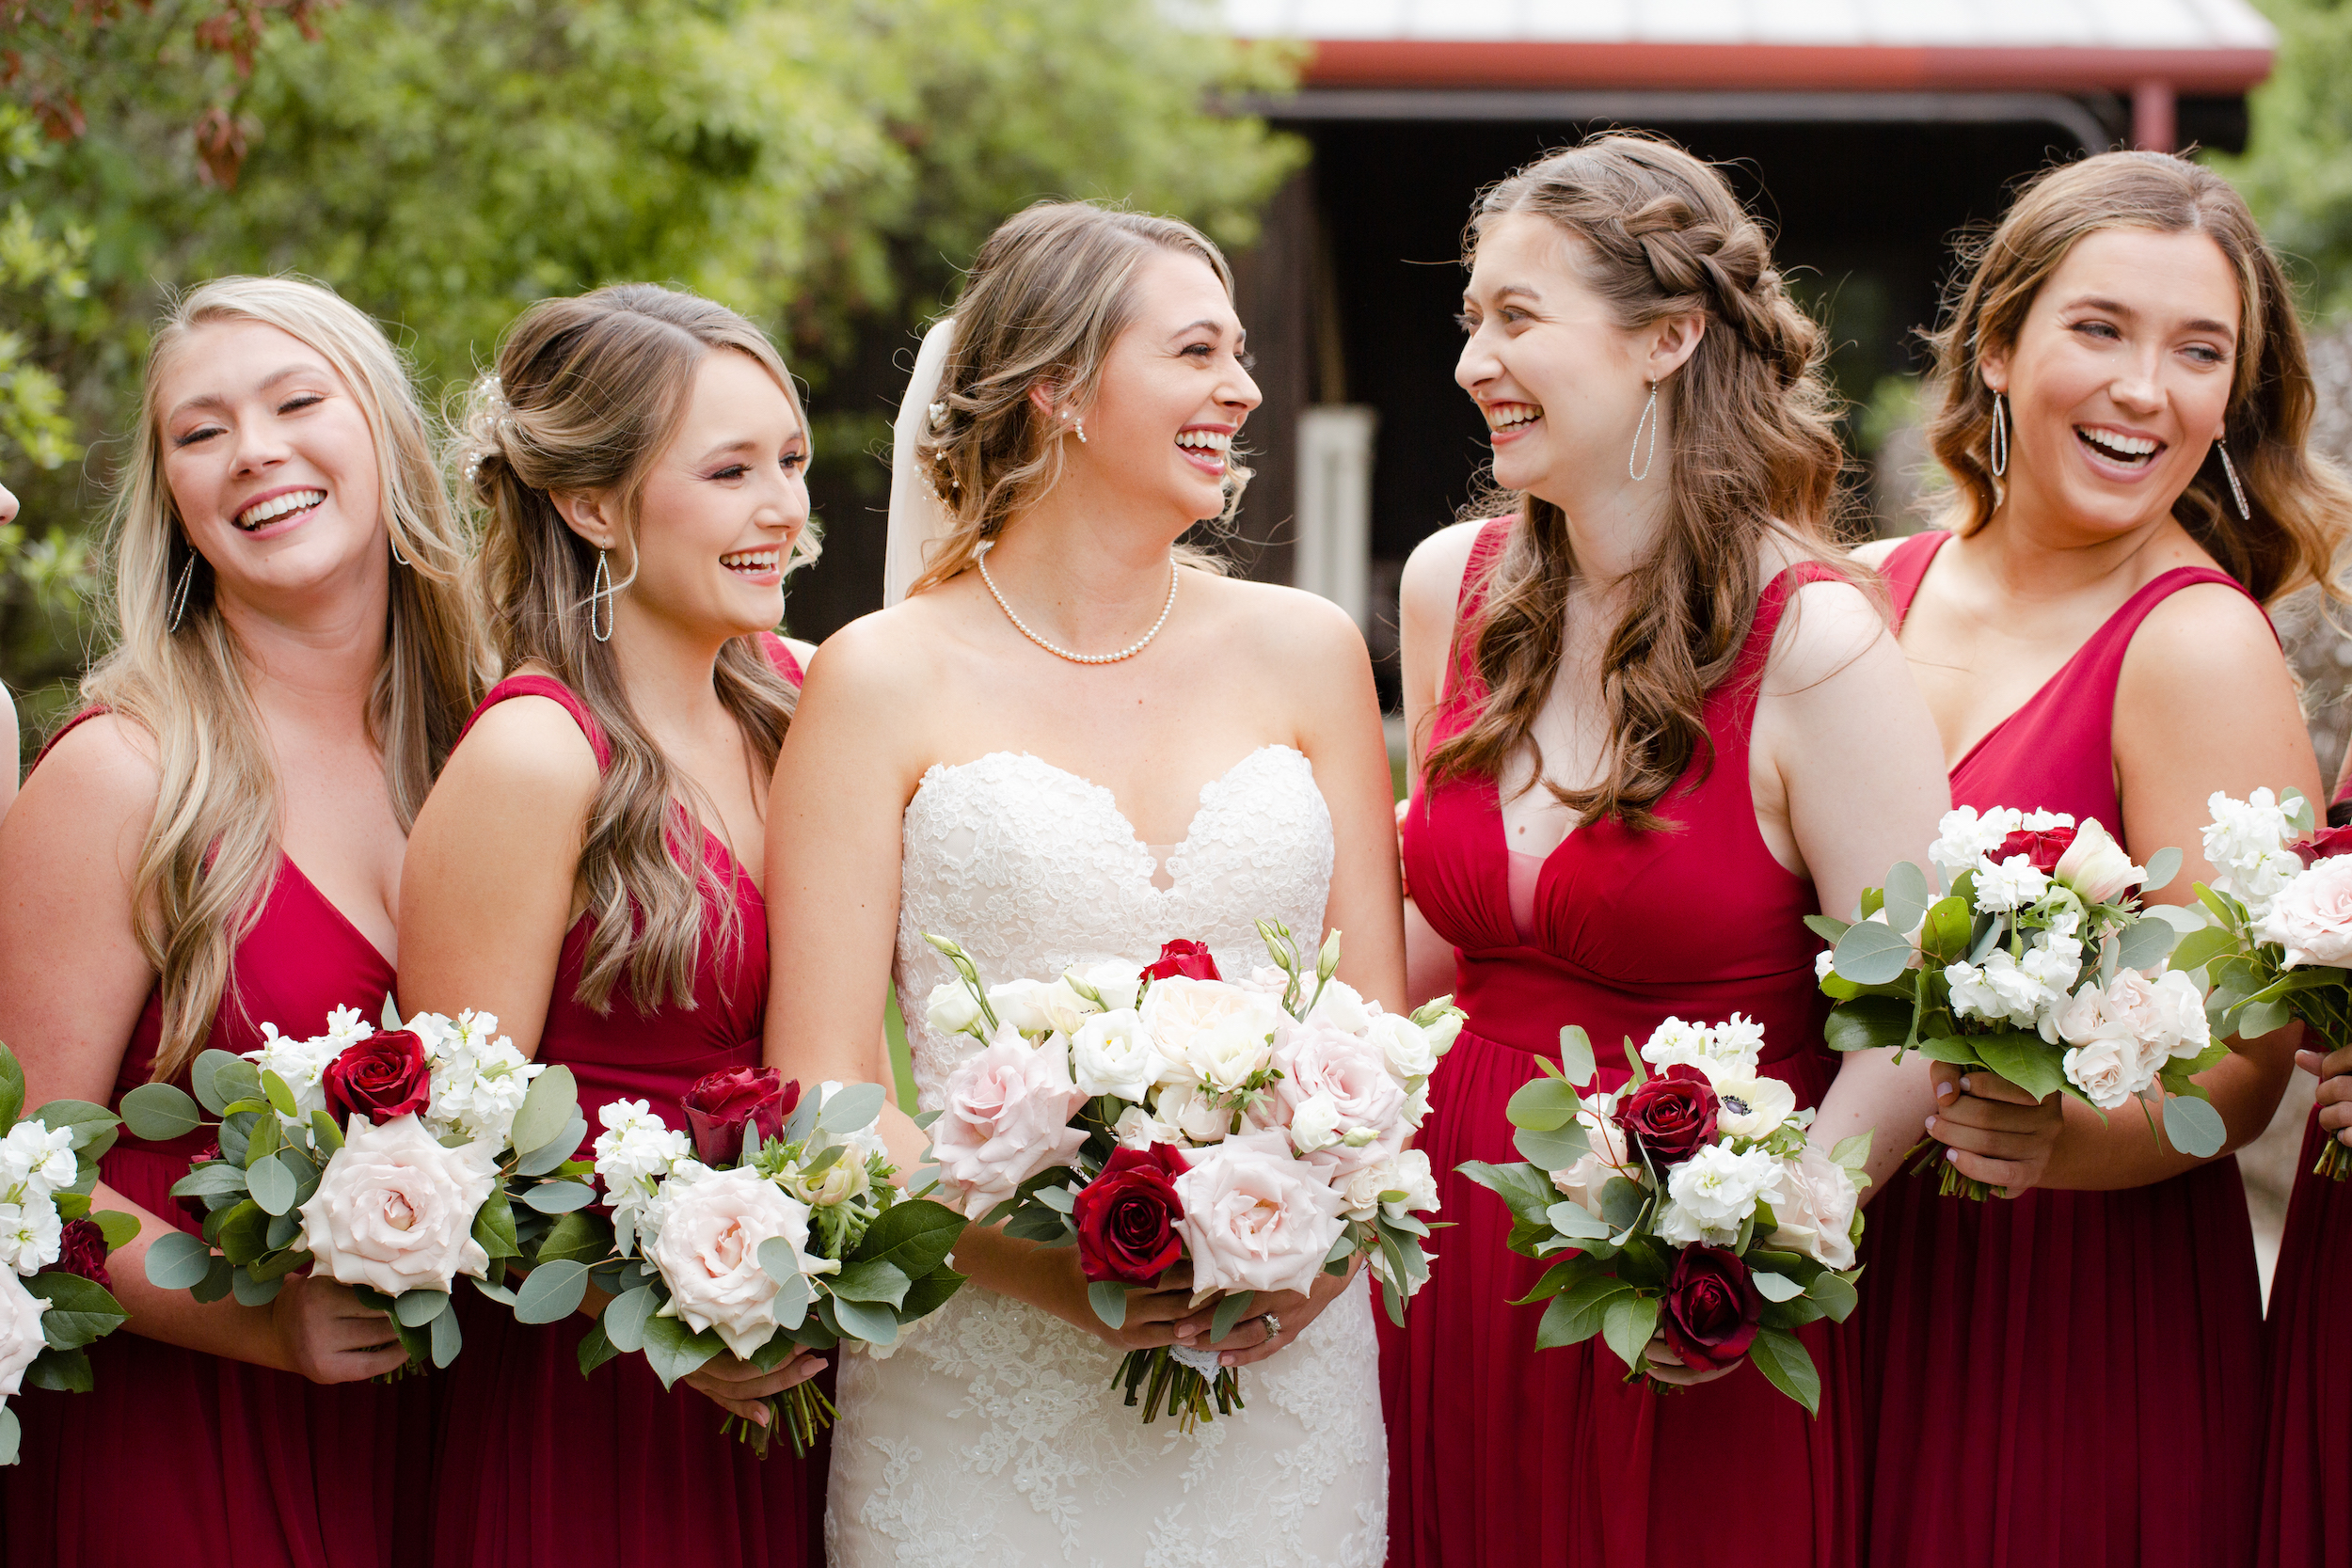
(589, 867)
(2310, 1470)
(2074, 1375)
(1654, 726)
(215, 843)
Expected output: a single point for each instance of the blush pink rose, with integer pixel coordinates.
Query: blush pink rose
(1316, 1059)
(1814, 1209)
(710, 1225)
(2312, 918)
(394, 1210)
(1255, 1219)
(1006, 1118)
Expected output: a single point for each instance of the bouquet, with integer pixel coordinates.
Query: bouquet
(1157, 1113)
(1691, 1205)
(2279, 943)
(2031, 958)
(390, 1161)
(774, 1226)
(54, 1300)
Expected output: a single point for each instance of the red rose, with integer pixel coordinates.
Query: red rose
(1672, 1115)
(2043, 848)
(384, 1077)
(1711, 1305)
(724, 1105)
(1127, 1216)
(2325, 845)
(1190, 959)
(85, 1253)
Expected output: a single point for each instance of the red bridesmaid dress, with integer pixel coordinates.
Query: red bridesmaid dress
(539, 1467)
(1501, 1455)
(182, 1458)
(2068, 1378)
(2307, 1481)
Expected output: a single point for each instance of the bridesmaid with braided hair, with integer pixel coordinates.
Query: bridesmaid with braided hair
(1654, 724)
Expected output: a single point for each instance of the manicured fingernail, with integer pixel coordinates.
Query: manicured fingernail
(1966, 1087)
(1945, 1092)
(1951, 1155)
(1930, 1124)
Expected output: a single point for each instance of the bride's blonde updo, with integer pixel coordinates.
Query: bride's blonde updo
(1049, 293)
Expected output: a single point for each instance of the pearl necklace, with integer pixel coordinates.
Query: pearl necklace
(1128, 652)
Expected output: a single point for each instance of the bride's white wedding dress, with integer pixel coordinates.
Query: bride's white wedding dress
(991, 1435)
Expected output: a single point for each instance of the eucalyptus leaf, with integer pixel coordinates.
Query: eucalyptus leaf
(870, 1281)
(1907, 896)
(2192, 1126)
(850, 1108)
(1557, 1149)
(2201, 946)
(539, 1162)
(1576, 1054)
(560, 1197)
(89, 1123)
(215, 1179)
(1576, 1223)
(1542, 1104)
(448, 1338)
(1775, 1287)
(579, 1236)
(625, 1318)
(795, 1296)
(1871, 954)
(2146, 942)
(1109, 1298)
(158, 1113)
(251, 1290)
(417, 1308)
(875, 1325)
(2261, 1018)
(547, 1108)
(220, 1080)
(2163, 866)
(1230, 1309)
(1621, 1203)
(1834, 1293)
(552, 1292)
(10, 1436)
(271, 1183)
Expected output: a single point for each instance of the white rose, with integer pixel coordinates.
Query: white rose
(394, 1210)
(1188, 1109)
(31, 1235)
(21, 1340)
(1110, 1053)
(1139, 1129)
(2312, 917)
(1255, 1219)
(1341, 1007)
(1208, 1030)
(1405, 1045)
(2096, 867)
(1040, 1006)
(1117, 984)
(712, 1225)
(1814, 1209)
(1410, 1173)
(1719, 1189)
(1314, 1124)
(952, 1008)
(2102, 1070)
(2016, 883)
(1753, 1107)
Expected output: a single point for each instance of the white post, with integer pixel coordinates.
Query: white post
(1335, 504)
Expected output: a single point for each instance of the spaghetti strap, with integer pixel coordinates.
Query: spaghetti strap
(1464, 687)
(65, 729)
(555, 691)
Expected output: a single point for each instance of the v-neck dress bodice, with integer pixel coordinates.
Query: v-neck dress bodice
(2064, 1377)
(1504, 1454)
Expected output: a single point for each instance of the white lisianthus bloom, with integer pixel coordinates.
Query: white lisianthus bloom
(2016, 883)
(31, 1236)
(1187, 1108)
(2096, 867)
(1719, 1190)
(1139, 1129)
(845, 1179)
(1442, 1031)
(952, 1008)
(1314, 1124)
(1340, 1005)
(1753, 1107)
(1404, 1044)
(1117, 983)
(35, 1162)
(1813, 1212)
(1416, 1106)
(712, 1226)
(1823, 962)
(302, 1063)
(21, 1338)
(1040, 1006)
(1110, 1053)
(2102, 1070)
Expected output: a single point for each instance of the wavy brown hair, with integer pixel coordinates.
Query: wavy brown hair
(587, 394)
(2299, 501)
(1657, 235)
(1050, 291)
(212, 852)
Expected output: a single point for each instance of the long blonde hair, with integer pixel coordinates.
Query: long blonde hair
(587, 393)
(2301, 503)
(1756, 457)
(1049, 294)
(212, 852)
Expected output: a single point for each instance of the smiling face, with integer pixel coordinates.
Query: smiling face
(270, 463)
(721, 508)
(2119, 382)
(1174, 391)
(1561, 386)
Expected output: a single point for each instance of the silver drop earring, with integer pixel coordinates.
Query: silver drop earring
(1650, 418)
(397, 556)
(180, 599)
(1998, 442)
(2236, 490)
(601, 590)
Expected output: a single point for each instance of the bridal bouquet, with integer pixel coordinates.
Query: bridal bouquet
(2279, 943)
(390, 1161)
(55, 1299)
(1158, 1114)
(2031, 958)
(773, 1226)
(1690, 1206)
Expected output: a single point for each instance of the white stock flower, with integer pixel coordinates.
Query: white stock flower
(1753, 1107)
(633, 1153)
(1405, 1045)
(35, 1162)
(301, 1063)
(2246, 842)
(952, 1008)
(1675, 1043)
(31, 1235)
(478, 1085)
(2016, 883)
(1813, 1212)
(711, 1227)
(2002, 993)
(395, 1209)
(1963, 836)
(21, 1338)
(1718, 1190)
(1110, 1053)
(1730, 1049)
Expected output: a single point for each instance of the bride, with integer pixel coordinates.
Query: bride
(1075, 740)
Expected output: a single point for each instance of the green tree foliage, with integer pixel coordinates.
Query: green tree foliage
(2296, 172)
(822, 164)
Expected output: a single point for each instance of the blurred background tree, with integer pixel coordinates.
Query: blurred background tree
(823, 165)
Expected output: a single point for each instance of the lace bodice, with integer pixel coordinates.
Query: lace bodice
(1032, 869)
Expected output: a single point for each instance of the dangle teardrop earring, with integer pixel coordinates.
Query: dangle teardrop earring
(1650, 418)
(600, 591)
(1997, 444)
(180, 599)
(397, 556)
(2237, 491)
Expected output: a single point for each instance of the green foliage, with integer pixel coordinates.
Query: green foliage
(2296, 172)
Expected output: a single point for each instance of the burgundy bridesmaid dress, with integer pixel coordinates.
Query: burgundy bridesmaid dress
(539, 1467)
(2306, 1495)
(2069, 1378)
(1502, 1456)
(191, 1460)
